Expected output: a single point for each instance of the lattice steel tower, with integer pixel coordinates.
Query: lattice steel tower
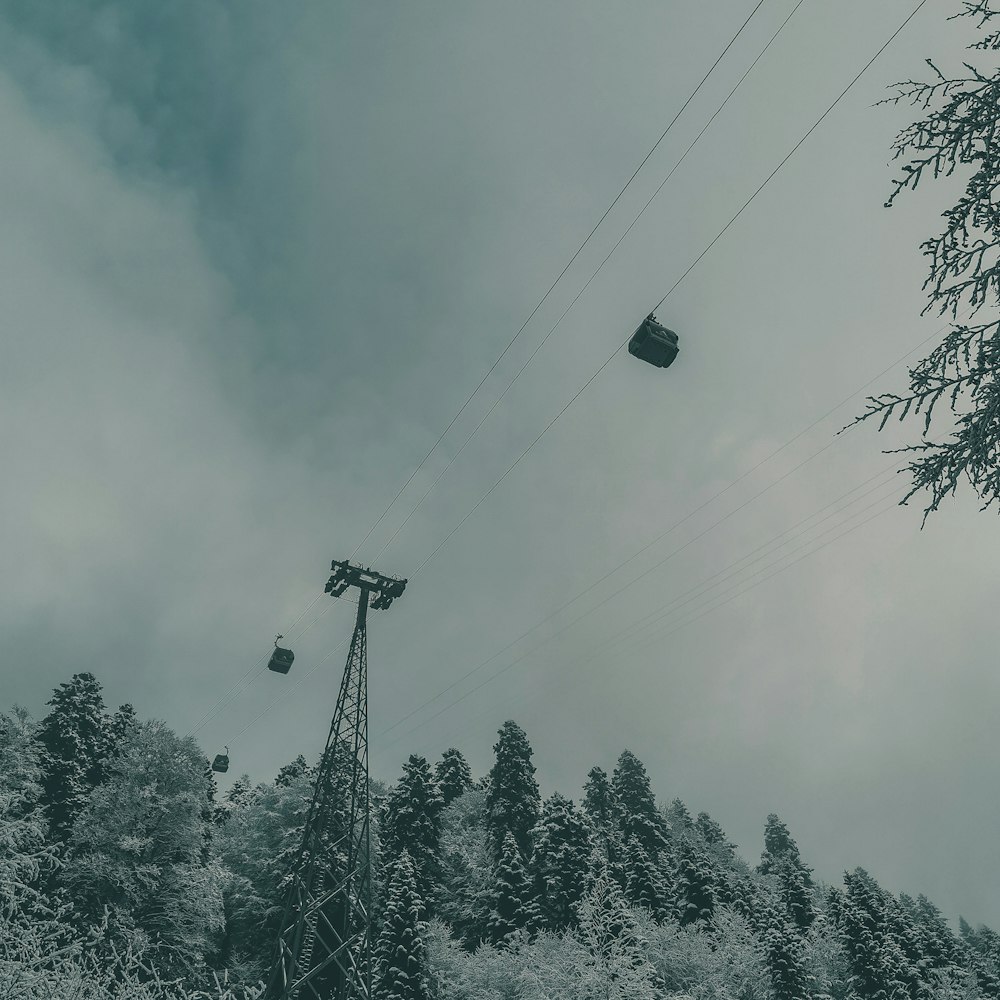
(324, 942)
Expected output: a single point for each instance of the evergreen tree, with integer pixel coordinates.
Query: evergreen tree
(679, 817)
(941, 948)
(712, 833)
(695, 885)
(786, 959)
(982, 951)
(599, 799)
(644, 882)
(560, 863)
(600, 807)
(955, 137)
(453, 775)
(120, 726)
(289, 774)
(75, 739)
(795, 889)
(879, 969)
(858, 933)
(512, 906)
(742, 894)
(411, 822)
(637, 813)
(512, 798)
(781, 860)
(903, 928)
(983, 940)
(240, 793)
(779, 845)
(402, 963)
(979, 954)
(729, 870)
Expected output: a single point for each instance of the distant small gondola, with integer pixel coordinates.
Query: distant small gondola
(221, 762)
(654, 343)
(281, 659)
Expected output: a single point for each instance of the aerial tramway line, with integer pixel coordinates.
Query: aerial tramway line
(651, 342)
(324, 942)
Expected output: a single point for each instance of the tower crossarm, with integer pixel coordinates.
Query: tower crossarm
(384, 589)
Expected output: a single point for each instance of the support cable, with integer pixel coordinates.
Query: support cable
(715, 496)
(670, 290)
(637, 553)
(690, 595)
(254, 668)
(706, 610)
(593, 275)
(690, 268)
(232, 740)
(551, 288)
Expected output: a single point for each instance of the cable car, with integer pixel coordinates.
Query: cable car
(654, 343)
(281, 659)
(221, 762)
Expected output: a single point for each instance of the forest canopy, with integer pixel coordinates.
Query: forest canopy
(126, 874)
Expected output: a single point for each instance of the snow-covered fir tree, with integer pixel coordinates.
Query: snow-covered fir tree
(787, 963)
(401, 958)
(512, 905)
(636, 807)
(291, 772)
(779, 845)
(939, 945)
(121, 725)
(560, 862)
(599, 804)
(679, 817)
(782, 862)
(694, 884)
(411, 822)
(711, 832)
(241, 792)
(981, 954)
(74, 736)
(645, 884)
(879, 968)
(512, 796)
(453, 775)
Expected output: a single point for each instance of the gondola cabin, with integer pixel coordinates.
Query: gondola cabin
(654, 343)
(221, 763)
(281, 660)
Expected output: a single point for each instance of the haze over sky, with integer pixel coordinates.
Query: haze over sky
(256, 255)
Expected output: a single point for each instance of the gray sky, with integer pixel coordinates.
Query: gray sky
(255, 256)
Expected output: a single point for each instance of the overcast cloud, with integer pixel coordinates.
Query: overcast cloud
(255, 256)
